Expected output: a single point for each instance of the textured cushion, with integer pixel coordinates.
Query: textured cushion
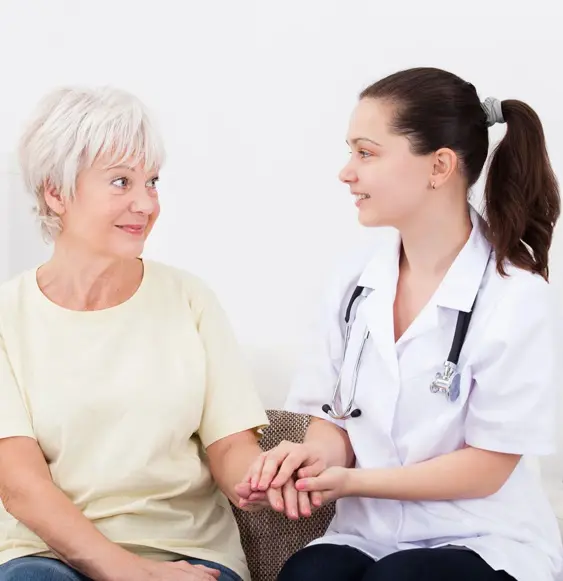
(270, 538)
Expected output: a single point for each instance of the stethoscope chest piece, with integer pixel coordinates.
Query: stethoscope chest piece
(447, 381)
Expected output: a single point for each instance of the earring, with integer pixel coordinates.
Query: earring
(433, 185)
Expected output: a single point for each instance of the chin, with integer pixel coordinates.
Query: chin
(371, 220)
(127, 252)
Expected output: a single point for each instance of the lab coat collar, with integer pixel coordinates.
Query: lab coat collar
(462, 281)
(461, 284)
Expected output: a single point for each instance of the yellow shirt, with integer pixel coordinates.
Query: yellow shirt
(123, 403)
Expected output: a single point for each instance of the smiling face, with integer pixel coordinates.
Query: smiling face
(112, 211)
(389, 183)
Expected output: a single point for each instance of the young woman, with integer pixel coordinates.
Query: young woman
(448, 379)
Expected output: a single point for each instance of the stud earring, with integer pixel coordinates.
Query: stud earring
(433, 185)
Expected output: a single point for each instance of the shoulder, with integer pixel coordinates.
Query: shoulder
(13, 290)
(170, 280)
(519, 300)
(347, 271)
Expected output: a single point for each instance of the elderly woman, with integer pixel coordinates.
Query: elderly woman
(127, 415)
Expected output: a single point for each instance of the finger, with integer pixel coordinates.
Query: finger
(304, 504)
(215, 573)
(311, 471)
(271, 466)
(291, 463)
(290, 501)
(316, 499)
(258, 496)
(256, 471)
(256, 506)
(311, 484)
(275, 499)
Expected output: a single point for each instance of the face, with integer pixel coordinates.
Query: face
(388, 181)
(113, 210)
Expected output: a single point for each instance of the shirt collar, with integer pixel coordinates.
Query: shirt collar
(459, 287)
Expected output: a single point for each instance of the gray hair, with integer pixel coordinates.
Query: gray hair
(70, 129)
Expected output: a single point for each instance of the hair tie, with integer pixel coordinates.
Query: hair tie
(493, 111)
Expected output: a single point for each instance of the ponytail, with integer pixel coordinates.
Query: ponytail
(522, 203)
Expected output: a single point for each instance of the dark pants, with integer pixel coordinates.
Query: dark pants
(44, 569)
(339, 563)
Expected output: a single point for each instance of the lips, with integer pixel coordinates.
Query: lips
(360, 196)
(136, 229)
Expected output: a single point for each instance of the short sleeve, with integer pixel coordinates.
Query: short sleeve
(512, 405)
(232, 403)
(14, 418)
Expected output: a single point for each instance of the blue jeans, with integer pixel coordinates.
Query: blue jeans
(45, 569)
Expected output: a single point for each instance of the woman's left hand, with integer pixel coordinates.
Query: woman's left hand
(332, 484)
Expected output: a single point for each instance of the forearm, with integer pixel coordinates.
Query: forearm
(463, 474)
(46, 511)
(331, 442)
(230, 467)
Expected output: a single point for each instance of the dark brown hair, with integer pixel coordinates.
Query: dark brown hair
(436, 109)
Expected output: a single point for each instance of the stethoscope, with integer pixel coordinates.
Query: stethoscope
(446, 381)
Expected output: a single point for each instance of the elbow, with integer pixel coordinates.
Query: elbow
(14, 499)
(19, 498)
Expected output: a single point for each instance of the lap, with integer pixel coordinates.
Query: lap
(38, 569)
(342, 563)
(327, 562)
(45, 569)
(226, 574)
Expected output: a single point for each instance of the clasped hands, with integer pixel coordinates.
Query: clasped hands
(293, 479)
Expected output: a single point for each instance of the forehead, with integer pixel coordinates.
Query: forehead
(370, 119)
(108, 162)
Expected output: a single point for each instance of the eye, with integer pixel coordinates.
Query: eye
(152, 183)
(120, 182)
(363, 153)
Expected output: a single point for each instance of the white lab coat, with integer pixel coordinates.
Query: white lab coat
(507, 401)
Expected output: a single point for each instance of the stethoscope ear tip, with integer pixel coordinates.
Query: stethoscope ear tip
(356, 413)
(326, 408)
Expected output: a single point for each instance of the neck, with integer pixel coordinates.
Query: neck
(80, 280)
(431, 243)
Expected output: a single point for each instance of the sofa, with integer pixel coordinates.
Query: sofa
(269, 538)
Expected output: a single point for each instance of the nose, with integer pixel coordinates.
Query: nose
(348, 174)
(145, 201)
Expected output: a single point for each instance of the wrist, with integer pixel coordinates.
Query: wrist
(354, 482)
(119, 566)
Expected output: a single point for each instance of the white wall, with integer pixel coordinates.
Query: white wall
(253, 99)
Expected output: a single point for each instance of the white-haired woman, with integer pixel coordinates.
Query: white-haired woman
(127, 415)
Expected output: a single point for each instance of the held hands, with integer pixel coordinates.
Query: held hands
(292, 478)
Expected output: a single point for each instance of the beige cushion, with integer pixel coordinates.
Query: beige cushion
(270, 538)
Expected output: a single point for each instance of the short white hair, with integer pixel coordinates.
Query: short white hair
(71, 128)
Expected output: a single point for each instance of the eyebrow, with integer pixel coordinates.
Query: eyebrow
(356, 140)
(128, 167)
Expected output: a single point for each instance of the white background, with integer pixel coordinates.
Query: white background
(253, 98)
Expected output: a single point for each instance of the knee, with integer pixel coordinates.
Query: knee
(305, 565)
(300, 565)
(36, 569)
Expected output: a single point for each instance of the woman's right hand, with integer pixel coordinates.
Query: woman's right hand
(142, 569)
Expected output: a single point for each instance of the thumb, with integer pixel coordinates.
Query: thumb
(213, 572)
(243, 489)
(310, 484)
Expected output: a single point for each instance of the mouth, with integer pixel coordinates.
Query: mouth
(134, 229)
(358, 198)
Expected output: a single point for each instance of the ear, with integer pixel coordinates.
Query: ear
(445, 164)
(53, 199)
